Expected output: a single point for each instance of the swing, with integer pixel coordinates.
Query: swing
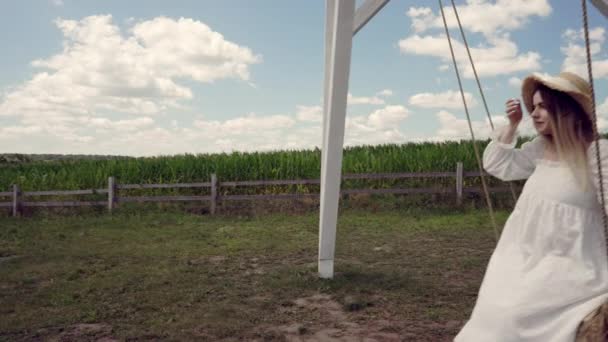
(594, 327)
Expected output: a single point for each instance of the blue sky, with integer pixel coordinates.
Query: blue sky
(152, 77)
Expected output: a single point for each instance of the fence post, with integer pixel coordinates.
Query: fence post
(459, 182)
(111, 193)
(213, 205)
(16, 200)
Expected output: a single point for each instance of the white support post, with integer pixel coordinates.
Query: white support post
(459, 182)
(16, 200)
(213, 206)
(111, 193)
(329, 31)
(339, 29)
(363, 15)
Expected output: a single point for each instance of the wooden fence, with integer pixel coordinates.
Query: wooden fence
(19, 198)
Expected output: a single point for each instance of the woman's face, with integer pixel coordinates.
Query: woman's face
(540, 115)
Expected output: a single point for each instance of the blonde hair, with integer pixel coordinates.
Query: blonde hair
(571, 131)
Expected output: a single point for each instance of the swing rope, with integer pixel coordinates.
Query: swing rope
(464, 39)
(483, 98)
(596, 134)
(475, 148)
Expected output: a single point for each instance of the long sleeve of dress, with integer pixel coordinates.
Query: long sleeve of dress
(591, 156)
(506, 162)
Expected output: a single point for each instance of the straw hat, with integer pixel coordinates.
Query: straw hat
(566, 82)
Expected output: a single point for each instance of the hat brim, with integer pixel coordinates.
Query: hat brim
(531, 83)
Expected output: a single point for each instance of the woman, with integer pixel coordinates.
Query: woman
(549, 269)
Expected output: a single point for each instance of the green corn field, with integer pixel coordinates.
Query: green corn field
(302, 164)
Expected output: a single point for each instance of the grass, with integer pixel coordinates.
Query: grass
(175, 276)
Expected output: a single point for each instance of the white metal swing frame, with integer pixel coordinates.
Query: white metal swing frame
(342, 22)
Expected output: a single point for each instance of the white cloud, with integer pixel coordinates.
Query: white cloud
(385, 93)
(198, 52)
(602, 115)
(57, 3)
(374, 100)
(358, 137)
(595, 34)
(515, 82)
(79, 139)
(454, 128)
(19, 130)
(251, 132)
(146, 70)
(387, 117)
(309, 113)
(574, 49)
(103, 71)
(249, 124)
(501, 57)
(257, 133)
(496, 55)
(602, 109)
(379, 127)
(141, 136)
(422, 18)
(104, 124)
(74, 130)
(448, 99)
(150, 141)
(482, 16)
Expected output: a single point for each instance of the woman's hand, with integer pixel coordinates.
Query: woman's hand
(514, 112)
(514, 115)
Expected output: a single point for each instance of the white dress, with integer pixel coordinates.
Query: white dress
(549, 269)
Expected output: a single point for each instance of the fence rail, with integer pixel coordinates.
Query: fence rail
(18, 197)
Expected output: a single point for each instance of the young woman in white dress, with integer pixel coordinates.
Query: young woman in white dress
(549, 269)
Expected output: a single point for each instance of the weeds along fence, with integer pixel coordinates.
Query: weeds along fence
(214, 192)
